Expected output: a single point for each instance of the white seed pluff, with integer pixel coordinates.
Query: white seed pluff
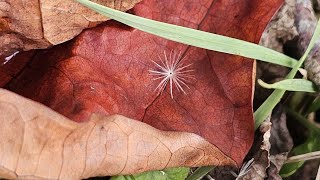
(171, 70)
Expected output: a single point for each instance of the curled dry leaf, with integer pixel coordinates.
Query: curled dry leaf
(306, 21)
(281, 142)
(260, 153)
(38, 24)
(281, 28)
(38, 143)
(106, 70)
(273, 144)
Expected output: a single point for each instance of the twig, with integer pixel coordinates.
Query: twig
(209, 177)
(304, 157)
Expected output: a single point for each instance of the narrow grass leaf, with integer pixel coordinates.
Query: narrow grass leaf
(315, 106)
(166, 174)
(265, 109)
(291, 85)
(303, 121)
(311, 145)
(200, 172)
(194, 37)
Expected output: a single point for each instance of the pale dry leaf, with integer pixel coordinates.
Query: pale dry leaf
(38, 143)
(32, 24)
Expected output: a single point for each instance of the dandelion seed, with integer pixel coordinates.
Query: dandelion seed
(171, 70)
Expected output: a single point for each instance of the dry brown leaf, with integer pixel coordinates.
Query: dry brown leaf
(107, 70)
(261, 153)
(36, 143)
(31, 24)
(281, 143)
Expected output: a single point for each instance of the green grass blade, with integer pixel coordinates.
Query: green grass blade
(315, 106)
(303, 121)
(195, 37)
(291, 85)
(179, 173)
(266, 108)
(200, 173)
(311, 145)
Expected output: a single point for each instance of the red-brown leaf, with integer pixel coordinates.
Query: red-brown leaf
(105, 70)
